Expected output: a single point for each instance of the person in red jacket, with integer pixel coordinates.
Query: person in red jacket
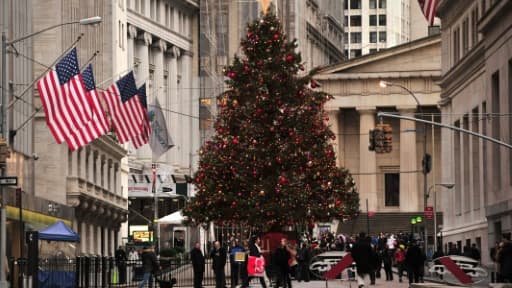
(400, 261)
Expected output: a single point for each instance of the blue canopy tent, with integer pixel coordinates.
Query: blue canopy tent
(59, 232)
(57, 270)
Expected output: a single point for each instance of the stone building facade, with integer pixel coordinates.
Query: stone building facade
(392, 183)
(476, 93)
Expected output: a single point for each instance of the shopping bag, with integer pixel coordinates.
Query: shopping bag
(256, 266)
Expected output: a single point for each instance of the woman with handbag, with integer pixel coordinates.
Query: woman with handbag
(255, 251)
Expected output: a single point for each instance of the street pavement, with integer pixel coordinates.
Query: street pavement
(380, 283)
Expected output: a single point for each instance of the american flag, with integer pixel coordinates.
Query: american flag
(143, 138)
(65, 102)
(125, 108)
(98, 124)
(429, 8)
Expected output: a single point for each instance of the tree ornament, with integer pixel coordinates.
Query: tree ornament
(290, 58)
(231, 74)
(313, 84)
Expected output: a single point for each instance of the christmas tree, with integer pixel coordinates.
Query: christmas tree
(270, 163)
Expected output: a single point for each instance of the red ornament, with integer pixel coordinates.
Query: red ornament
(231, 74)
(235, 140)
(301, 67)
(290, 58)
(313, 84)
(276, 36)
(247, 69)
(282, 180)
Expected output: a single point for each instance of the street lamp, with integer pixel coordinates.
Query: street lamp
(445, 185)
(3, 126)
(425, 170)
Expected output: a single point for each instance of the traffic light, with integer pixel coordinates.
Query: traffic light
(371, 146)
(378, 135)
(388, 138)
(5, 151)
(426, 163)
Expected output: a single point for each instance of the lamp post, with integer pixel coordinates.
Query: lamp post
(3, 127)
(385, 84)
(445, 185)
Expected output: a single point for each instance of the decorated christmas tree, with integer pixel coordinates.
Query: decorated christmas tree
(270, 163)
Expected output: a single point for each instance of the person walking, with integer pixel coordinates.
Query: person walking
(504, 259)
(133, 258)
(387, 259)
(281, 258)
(150, 266)
(218, 255)
(400, 261)
(414, 259)
(361, 253)
(304, 258)
(121, 258)
(235, 266)
(197, 257)
(255, 251)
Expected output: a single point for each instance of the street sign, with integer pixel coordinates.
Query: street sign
(429, 212)
(9, 181)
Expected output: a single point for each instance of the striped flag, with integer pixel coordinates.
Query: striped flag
(98, 125)
(429, 8)
(125, 108)
(66, 104)
(143, 138)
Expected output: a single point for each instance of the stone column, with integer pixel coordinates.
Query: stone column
(112, 238)
(106, 234)
(90, 166)
(98, 239)
(83, 159)
(143, 77)
(84, 234)
(334, 122)
(172, 123)
(130, 45)
(409, 196)
(117, 179)
(92, 239)
(186, 107)
(367, 161)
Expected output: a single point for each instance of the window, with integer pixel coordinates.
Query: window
(457, 167)
(355, 53)
(373, 50)
(382, 36)
(355, 4)
(355, 37)
(392, 189)
(495, 106)
(510, 118)
(465, 36)
(382, 4)
(456, 44)
(382, 20)
(157, 11)
(373, 4)
(345, 21)
(355, 20)
(166, 15)
(474, 26)
(373, 20)
(373, 37)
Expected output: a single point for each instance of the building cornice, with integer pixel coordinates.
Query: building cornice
(111, 147)
(158, 30)
(379, 75)
(494, 14)
(383, 54)
(318, 36)
(462, 71)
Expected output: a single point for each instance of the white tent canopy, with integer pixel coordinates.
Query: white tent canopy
(175, 218)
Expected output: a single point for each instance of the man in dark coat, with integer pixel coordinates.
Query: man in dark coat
(362, 253)
(121, 264)
(414, 260)
(196, 255)
(505, 261)
(150, 266)
(218, 255)
(254, 250)
(281, 258)
(304, 259)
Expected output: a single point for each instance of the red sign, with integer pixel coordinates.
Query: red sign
(338, 268)
(429, 212)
